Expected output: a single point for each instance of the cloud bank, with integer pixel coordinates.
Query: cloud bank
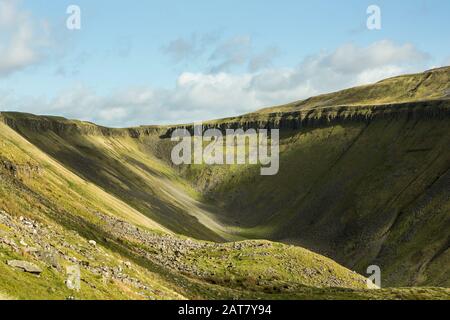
(23, 39)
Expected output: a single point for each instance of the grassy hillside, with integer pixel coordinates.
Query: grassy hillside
(361, 193)
(364, 176)
(49, 217)
(122, 164)
(430, 85)
(359, 183)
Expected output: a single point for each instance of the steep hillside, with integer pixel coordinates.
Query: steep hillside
(51, 219)
(122, 162)
(361, 183)
(362, 192)
(364, 179)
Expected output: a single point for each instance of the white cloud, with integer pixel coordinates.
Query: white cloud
(352, 59)
(22, 37)
(202, 96)
(347, 66)
(220, 55)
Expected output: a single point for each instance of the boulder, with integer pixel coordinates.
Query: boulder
(25, 266)
(49, 258)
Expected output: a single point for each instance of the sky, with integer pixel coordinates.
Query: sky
(148, 62)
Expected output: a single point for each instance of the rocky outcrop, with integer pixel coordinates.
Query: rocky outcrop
(277, 120)
(328, 116)
(50, 246)
(25, 266)
(16, 170)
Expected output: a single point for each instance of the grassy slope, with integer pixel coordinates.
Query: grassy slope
(66, 212)
(128, 170)
(348, 190)
(353, 193)
(244, 270)
(67, 205)
(4, 297)
(360, 192)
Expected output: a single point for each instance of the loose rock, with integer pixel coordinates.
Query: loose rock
(25, 266)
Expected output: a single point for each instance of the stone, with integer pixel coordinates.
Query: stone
(93, 243)
(31, 250)
(25, 266)
(49, 258)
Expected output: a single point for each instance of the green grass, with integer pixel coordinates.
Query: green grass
(360, 192)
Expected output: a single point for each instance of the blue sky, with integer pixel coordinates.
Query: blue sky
(147, 62)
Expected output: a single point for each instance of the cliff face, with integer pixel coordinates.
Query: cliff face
(333, 115)
(294, 120)
(62, 126)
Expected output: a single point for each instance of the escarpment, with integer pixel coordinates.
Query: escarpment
(62, 126)
(296, 120)
(328, 116)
